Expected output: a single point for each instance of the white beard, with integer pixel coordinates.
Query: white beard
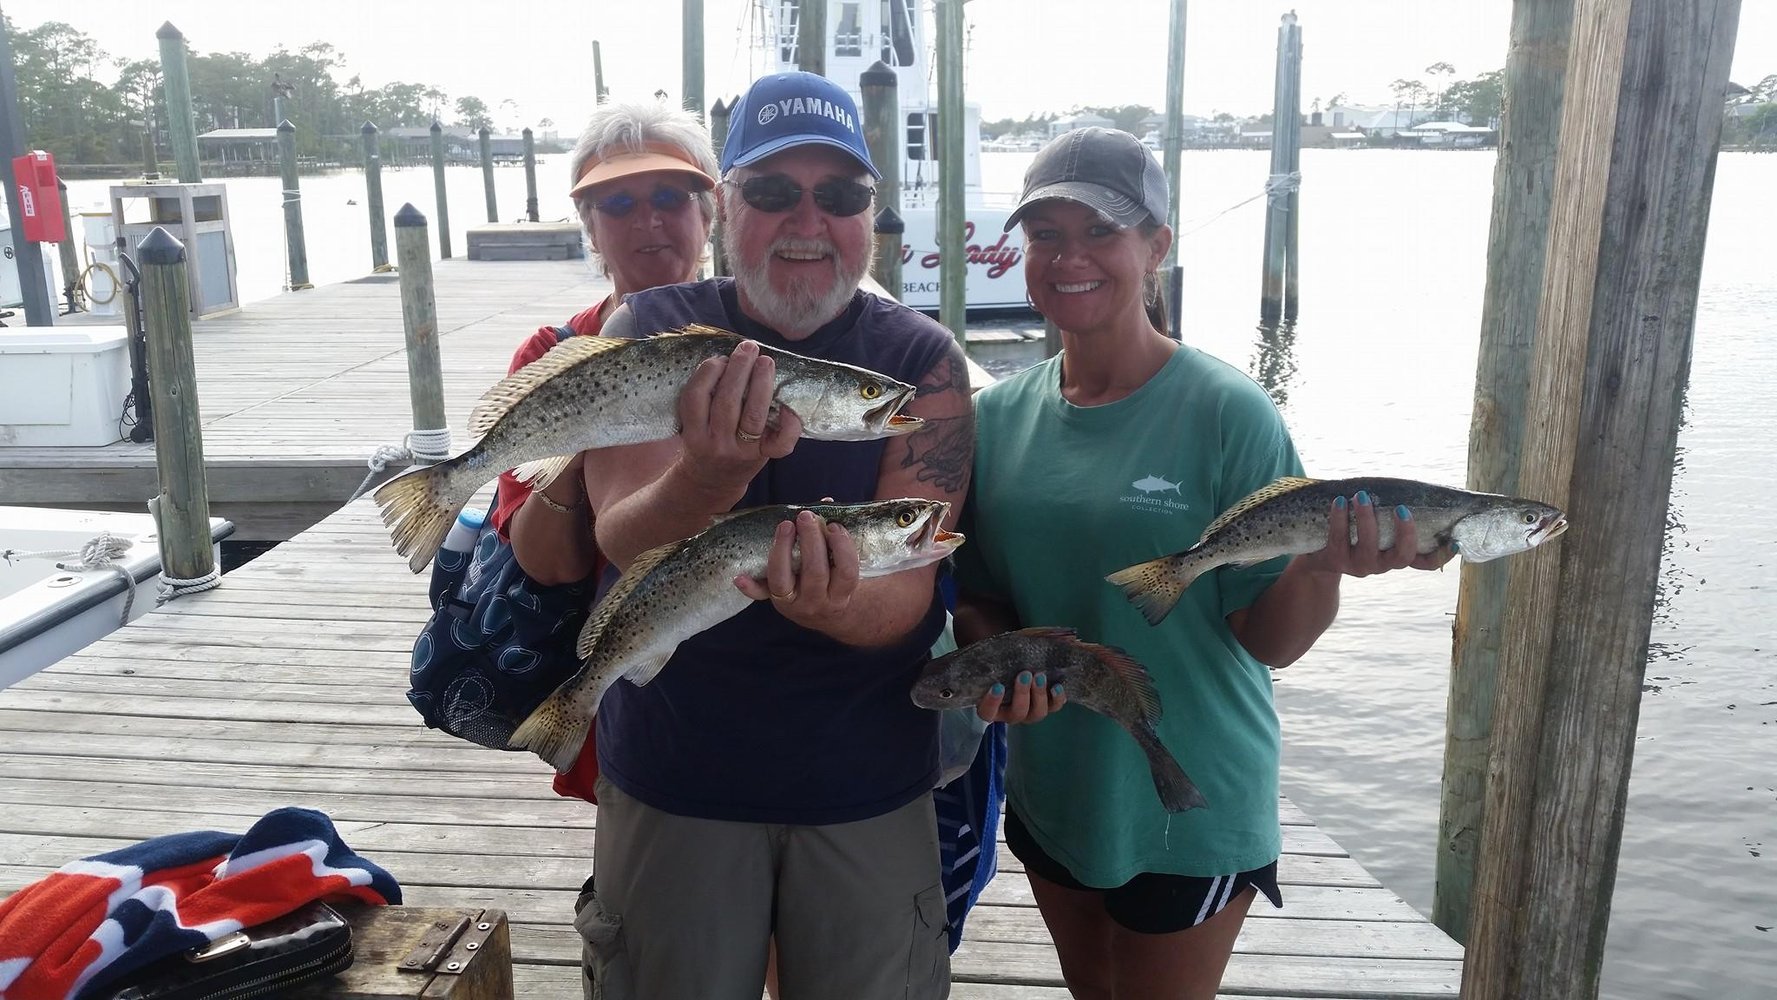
(804, 306)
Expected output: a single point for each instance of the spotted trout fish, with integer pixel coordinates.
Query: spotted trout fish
(597, 392)
(1289, 517)
(677, 590)
(1104, 679)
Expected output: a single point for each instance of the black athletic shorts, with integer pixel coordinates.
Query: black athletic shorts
(1149, 903)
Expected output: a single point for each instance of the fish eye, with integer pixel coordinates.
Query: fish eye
(906, 517)
(1529, 518)
(946, 693)
(870, 390)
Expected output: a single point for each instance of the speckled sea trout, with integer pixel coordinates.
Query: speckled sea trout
(1102, 678)
(597, 392)
(1289, 517)
(677, 590)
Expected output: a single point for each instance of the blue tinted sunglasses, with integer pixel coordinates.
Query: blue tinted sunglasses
(664, 199)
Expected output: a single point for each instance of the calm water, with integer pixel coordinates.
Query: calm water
(1378, 379)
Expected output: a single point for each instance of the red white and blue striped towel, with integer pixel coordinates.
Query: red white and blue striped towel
(94, 921)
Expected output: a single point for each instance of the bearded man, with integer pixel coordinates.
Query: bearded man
(774, 781)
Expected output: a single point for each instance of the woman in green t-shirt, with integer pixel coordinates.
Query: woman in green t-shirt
(1123, 448)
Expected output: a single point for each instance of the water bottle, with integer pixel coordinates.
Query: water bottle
(464, 533)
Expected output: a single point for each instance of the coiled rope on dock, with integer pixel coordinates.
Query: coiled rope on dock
(102, 551)
(422, 446)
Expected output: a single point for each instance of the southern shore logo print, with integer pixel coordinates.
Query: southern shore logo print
(1155, 493)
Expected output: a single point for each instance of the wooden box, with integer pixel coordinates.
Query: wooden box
(408, 952)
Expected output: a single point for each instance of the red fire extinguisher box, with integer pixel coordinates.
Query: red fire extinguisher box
(39, 201)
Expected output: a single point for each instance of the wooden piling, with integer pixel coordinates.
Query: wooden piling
(1640, 128)
(70, 262)
(952, 253)
(419, 315)
(1172, 158)
(176, 85)
(150, 159)
(1291, 268)
(811, 36)
(438, 189)
(1277, 220)
(885, 267)
(691, 68)
(1523, 182)
(182, 506)
(718, 139)
(598, 75)
(487, 173)
(530, 176)
(295, 247)
(373, 185)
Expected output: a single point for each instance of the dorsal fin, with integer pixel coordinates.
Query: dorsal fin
(1269, 491)
(511, 390)
(619, 594)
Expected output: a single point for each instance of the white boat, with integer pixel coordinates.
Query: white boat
(858, 35)
(47, 612)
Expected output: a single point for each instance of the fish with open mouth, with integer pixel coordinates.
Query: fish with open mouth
(1104, 679)
(1289, 517)
(674, 591)
(598, 392)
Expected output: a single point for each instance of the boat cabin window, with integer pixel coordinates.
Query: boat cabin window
(922, 136)
(788, 24)
(897, 33)
(849, 39)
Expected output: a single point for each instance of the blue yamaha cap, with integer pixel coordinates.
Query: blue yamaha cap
(793, 109)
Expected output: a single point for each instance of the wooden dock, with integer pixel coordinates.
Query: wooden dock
(285, 686)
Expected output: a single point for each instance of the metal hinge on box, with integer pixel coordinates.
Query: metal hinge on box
(447, 946)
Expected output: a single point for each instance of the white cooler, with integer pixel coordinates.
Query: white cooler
(62, 386)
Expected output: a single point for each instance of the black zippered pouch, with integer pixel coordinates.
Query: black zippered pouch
(308, 943)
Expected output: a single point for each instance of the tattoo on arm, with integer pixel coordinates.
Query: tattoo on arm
(945, 452)
(949, 375)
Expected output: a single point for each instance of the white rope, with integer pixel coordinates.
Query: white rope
(1280, 185)
(172, 586)
(99, 552)
(422, 446)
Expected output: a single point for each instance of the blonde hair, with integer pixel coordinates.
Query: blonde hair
(628, 126)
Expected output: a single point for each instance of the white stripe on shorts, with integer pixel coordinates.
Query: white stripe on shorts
(1209, 898)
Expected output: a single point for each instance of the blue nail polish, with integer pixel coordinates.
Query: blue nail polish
(1403, 513)
(1455, 546)
(997, 690)
(1056, 692)
(1024, 678)
(1042, 680)
(1338, 503)
(1363, 498)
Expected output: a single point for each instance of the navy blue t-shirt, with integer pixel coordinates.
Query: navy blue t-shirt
(759, 719)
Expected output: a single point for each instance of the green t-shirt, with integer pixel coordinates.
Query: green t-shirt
(1064, 495)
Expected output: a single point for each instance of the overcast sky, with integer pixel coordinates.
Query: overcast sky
(1024, 56)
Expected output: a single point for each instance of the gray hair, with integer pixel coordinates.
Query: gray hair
(618, 126)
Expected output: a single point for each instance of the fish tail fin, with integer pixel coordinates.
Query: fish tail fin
(1156, 585)
(418, 507)
(1177, 791)
(554, 731)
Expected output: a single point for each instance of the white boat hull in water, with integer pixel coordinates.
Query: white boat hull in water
(47, 612)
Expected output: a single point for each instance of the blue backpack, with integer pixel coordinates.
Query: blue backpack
(498, 642)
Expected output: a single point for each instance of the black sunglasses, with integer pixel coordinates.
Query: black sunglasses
(777, 193)
(664, 199)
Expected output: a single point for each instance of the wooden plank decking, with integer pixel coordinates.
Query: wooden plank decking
(285, 687)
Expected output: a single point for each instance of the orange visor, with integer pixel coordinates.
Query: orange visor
(656, 156)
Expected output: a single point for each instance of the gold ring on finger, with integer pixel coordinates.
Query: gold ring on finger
(744, 436)
(785, 597)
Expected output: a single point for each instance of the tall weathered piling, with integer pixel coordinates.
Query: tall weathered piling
(879, 89)
(718, 138)
(295, 246)
(811, 36)
(176, 85)
(1281, 185)
(182, 507)
(530, 175)
(1172, 157)
(485, 141)
(691, 65)
(430, 441)
(373, 189)
(438, 189)
(1640, 126)
(952, 250)
(886, 266)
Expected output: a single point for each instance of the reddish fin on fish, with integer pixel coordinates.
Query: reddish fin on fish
(1270, 491)
(607, 606)
(512, 390)
(1123, 668)
(1155, 586)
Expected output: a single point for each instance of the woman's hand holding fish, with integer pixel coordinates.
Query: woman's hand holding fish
(722, 420)
(818, 594)
(1365, 557)
(1031, 700)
